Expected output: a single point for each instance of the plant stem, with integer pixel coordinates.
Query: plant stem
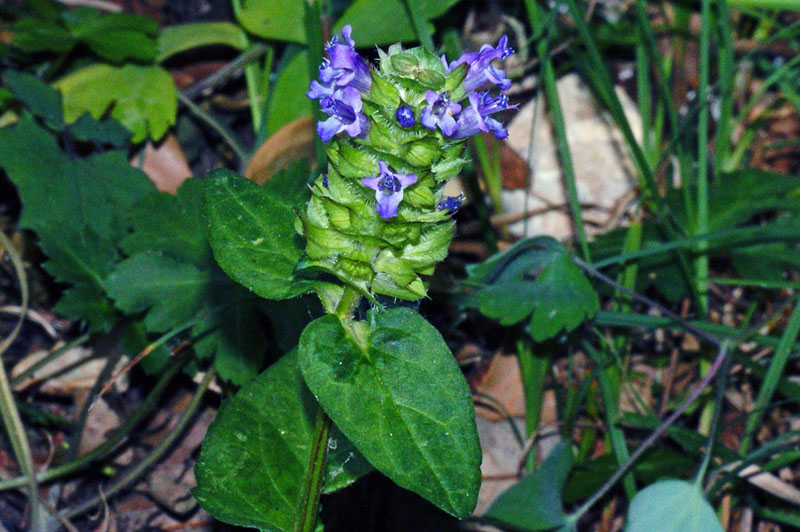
(719, 403)
(221, 75)
(701, 222)
(309, 503)
(420, 26)
(8, 407)
(252, 76)
(565, 156)
(108, 445)
(230, 138)
(162, 447)
(770, 381)
(314, 39)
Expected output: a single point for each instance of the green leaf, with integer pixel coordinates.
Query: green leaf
(114, 36)
(374, 21)
(254, 460)
(394, 389)
(108, 131)
(42, 100)
(377, 22)
(252, 234)
(34, 35)
(173, 225)
(135, 341)
(174, 292)
(144, 98)
(233, 334)
(535, 277)
(287, 99)
(534, 503)
(671, 506)
(87, 302)
(174, 40)
(281, 20)
(77, 206)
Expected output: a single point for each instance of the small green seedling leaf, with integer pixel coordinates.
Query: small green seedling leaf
(394, 389)
(671, 506)
(254, 459)
(141, 98)
(534, 503)
(251, 231)
(536, 278)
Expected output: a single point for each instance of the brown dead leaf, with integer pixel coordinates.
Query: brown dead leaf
(603, 170)
(503, 383)
(501, 455)
(292, 142)
(170, 484)
(165, 164)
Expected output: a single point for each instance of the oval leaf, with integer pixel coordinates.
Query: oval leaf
(395, 390)
(534, 503)
(671, 506)
(251, 231)
(254, 460)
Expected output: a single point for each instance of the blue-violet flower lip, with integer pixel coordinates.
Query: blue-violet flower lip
(344, 108)
(439, 112)
(480, 69)
(476, 117)
(388, 187)
(405, 116)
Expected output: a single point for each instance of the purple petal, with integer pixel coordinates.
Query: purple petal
(431, 97)
(406, 180)
(427, 119)
(347, 30)
(330, 127)
(351, 97)
(356, 128)
(387, 204)
(497, 128)
(317, 91)
(371, 182)
(448, 125)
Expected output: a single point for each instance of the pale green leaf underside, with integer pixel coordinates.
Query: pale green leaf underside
(399, 396)
(671, 506)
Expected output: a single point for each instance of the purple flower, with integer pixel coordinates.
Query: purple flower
(439, 112)
(405, 116)
(344, 108)
(476, 117)
(347, 67)
(451, 203)
(480, 69)
(388, 188)
(344, 68)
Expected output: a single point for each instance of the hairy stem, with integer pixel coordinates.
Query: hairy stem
(309, 503)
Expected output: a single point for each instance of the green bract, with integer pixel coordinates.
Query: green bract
(345, 235)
